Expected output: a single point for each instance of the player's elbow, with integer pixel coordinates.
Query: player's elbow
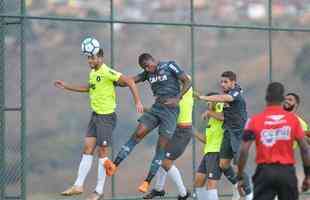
(188, 82)
(127, 81)
(130, 82)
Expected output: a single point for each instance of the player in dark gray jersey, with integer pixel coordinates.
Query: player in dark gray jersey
(168, 83)
(235, 117)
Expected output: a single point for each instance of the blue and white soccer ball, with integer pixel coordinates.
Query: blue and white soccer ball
(90, 46)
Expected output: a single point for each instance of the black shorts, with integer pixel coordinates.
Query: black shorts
(272, 180)
(231, 144)
(161, 116)
(178, 143)
(101, 127)
(210, 165)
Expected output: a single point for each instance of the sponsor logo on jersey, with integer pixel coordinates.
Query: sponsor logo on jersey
(161, 72)
(275, 119)
(270, 136)
(159, 78)
(235, 93)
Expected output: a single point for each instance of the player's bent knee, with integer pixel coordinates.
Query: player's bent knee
(200, 180)
(211, 184)
(88, 150)
(163, 141)
(103, 151)
(138, 136)
(224, 164)
(167, 164)
(140, 132)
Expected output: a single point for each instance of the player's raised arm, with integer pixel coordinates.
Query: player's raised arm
(217, 98)
(63, 85)
(216, 115)
(184, 79)
(137, 79)
(127, 81)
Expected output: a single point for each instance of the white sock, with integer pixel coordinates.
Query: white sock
(101, 175)
(175, 175)
(84, 168)
(212, 194)
(249, 196)
(235, 191)
(201, 193)
(160, 179)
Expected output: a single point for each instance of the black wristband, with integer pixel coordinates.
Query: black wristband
(307, 170)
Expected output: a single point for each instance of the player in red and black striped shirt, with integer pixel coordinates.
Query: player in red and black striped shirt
(274, 131)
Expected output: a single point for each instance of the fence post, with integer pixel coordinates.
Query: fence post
(23, 150)
(2, 102)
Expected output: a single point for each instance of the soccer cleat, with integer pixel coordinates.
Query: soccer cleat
(188, 194)
(110, 167)
(74, 190)
(95, 196)
(154, 193)
(144, 187)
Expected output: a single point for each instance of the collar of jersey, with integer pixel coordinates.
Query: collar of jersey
(274, 108)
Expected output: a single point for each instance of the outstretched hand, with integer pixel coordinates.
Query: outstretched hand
(60, 84)
(139, 107)
(196, 95)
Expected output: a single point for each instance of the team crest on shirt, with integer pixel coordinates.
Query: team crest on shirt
(158, 162)
(98, 78)
(161, 72)
(270, 136)
(275, 119)
(236, 93)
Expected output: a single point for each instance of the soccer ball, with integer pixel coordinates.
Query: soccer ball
(90, 46)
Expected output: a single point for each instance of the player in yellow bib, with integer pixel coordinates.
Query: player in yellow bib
(209, 170)
(291, 104)
(101, 90)
(175, 149)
